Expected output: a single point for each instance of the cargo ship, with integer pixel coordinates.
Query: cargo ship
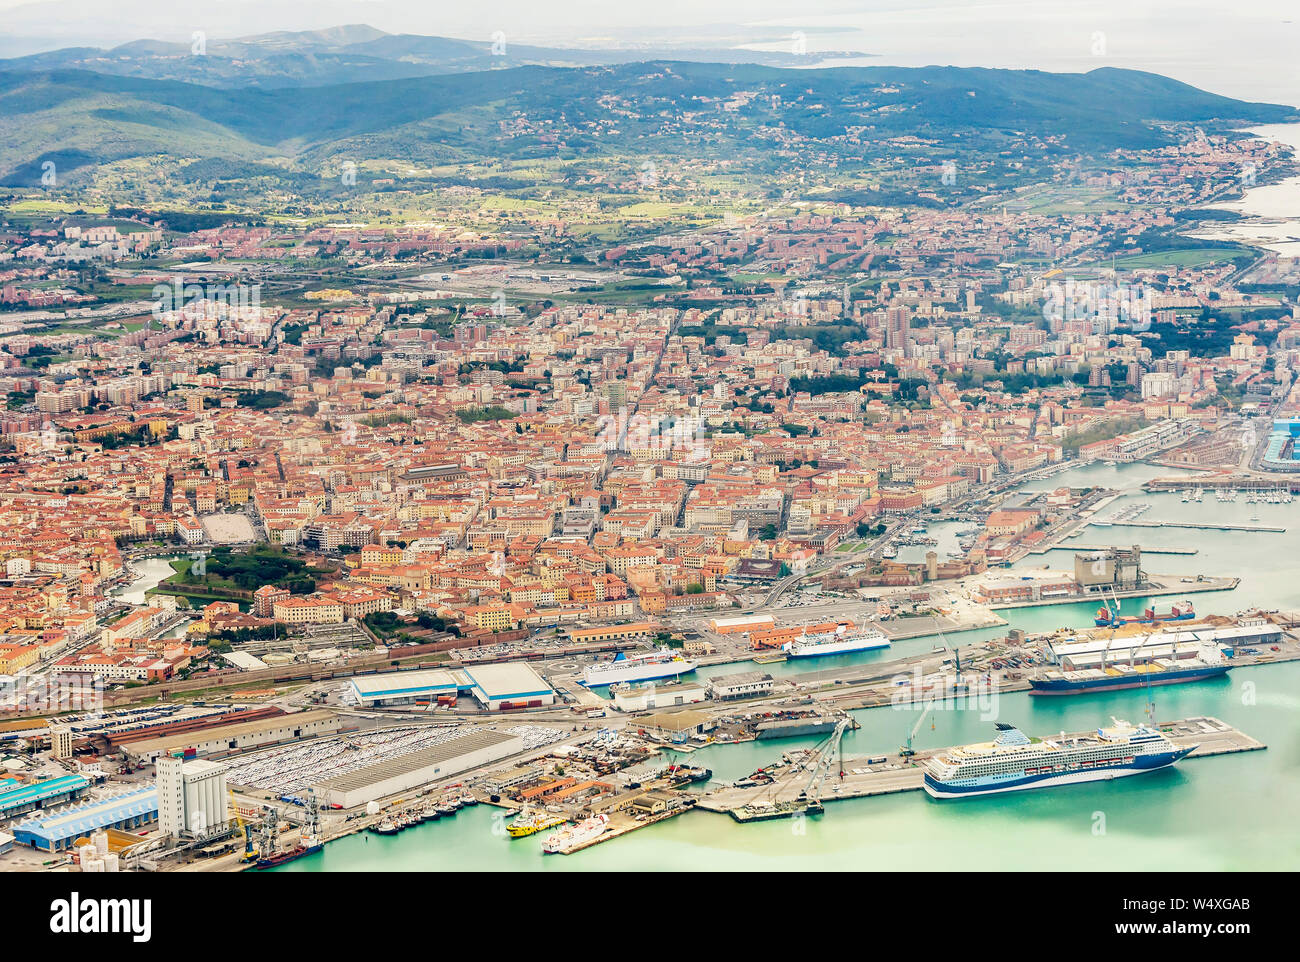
(1181, 611)
(585, 831)
(1210, 664)
(664, 663)
(796, 725)
(1015, 762)
(689, 773)
(530, 823)
(308, 845)
(838, 642)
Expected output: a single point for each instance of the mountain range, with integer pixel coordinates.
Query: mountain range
(474, 107)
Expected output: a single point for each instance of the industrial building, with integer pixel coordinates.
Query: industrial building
(678, 726)
(238, 737)
(19, 798)
(58, 831)
(1282, 451)
(510, 685)
(405, 687)
(191, 797)
(498, 782)
(742, 684)
(406, 772)
(654, 696)
(1169, 644)
(741, 624)
(1114, 568)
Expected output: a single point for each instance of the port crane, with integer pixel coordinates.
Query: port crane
(307, 821)
(906, 751)
(832, 750)
(251, 851)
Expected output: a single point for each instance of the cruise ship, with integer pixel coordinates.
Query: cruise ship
(664, 663)
(838, 642)
(1013, 761)
(584, 831)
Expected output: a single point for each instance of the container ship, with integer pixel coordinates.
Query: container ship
(1181, 611)
(664, 663)
(1210, 664)
(585, 831)
(838, 642)
(1014, 762)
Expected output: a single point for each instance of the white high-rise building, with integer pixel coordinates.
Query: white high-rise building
(191, 797)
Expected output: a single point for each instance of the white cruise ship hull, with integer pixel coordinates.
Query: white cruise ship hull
(795, 650)
(969, 788)
(614, 674)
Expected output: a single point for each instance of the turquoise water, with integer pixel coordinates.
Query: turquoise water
(1230, 812)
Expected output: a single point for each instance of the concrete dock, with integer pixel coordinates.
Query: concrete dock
(1203, 526)
(861, 778)
(1108, 547)
(1155, 586)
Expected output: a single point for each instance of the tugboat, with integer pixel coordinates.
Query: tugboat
(530, 823)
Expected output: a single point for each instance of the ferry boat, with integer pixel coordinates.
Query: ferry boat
(664, 663)
(1015, 762)
(1116, 677)
(837, 642)
(585, 831)
(1181, 611)
(530, 823)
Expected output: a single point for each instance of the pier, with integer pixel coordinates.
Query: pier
(865, 776)
(1107, 547)
(1204, 526)
(1156, 586)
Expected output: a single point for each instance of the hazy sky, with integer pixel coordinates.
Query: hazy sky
(1245, 49)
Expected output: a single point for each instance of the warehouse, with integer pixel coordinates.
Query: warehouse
(510, 685)
(495, 687)
(406, 772)
(677, 727)
(407, 687)
(239, 737)
(1169, 643)
(742, 624)
(18, 798)
(648, 696)
(54, 833)
(742, 684)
